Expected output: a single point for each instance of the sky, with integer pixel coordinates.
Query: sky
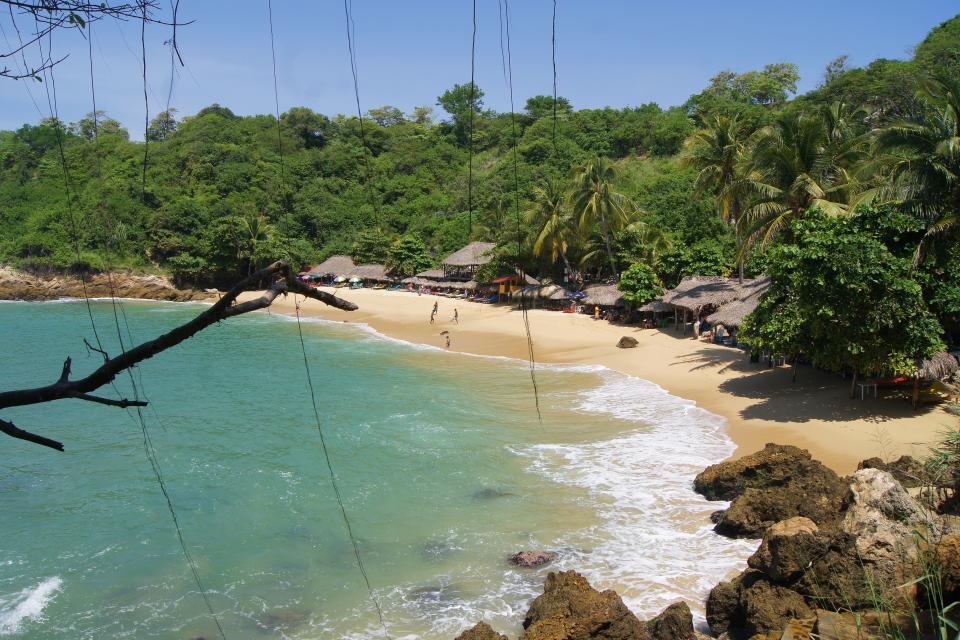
(608, 53)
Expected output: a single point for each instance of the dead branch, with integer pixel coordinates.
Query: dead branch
(283, 280)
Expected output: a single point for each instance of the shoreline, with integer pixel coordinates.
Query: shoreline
(758, 404)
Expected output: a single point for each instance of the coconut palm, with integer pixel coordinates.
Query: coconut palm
(924, 160)
(802, 162)
(551, 214)
(717, 152)
(253, 231)
(596, 202)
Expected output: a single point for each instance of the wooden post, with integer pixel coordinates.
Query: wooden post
(916, 392)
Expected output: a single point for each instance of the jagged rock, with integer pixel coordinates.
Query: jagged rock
(530, 559)
(18, 285)
(787, 550)
(836, 578)
(908, 471)
(752, 605)
(948, 561)
(674, 623)
(771, 485)
(626, 342)
(862, 625)
(481, 631)
(570, 609)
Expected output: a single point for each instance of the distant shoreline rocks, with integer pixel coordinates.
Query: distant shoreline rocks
(19, 285)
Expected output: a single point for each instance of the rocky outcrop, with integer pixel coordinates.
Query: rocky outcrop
(529, 559)
(787, 549)
(17, 285)
(570, 609)
(908, 471)
(947, 558)
(774, 484)
(752, 604)
(674, 623)
(481, 631)
(627, 342)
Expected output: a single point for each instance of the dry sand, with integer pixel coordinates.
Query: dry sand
(759, 403)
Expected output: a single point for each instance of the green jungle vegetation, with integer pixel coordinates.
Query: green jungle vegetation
(847, 195)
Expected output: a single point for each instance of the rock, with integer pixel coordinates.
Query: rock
(570, 609)
(626, 342)
(481, 631)
(723, 604)
(774, 484)
(948, 561)
(864, 625)
(18, 285)
(752, 605)
(490, 493)
(908, 471)
(787, 550)
(532, 558)
(674, 623)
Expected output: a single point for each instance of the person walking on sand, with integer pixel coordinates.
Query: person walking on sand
(596, 312)
(433, 315)
(448, 341)
(456, 316)
(436, 306)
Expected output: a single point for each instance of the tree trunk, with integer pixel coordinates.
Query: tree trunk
(796, 359)
(853, 384)
(736, 225)
(916, 392)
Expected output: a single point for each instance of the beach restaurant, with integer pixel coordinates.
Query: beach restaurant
(463, 264)
(696, 296)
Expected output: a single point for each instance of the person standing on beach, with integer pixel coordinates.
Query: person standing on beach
(448, 341)
(456, 316)
(433, 315)
(436, 306)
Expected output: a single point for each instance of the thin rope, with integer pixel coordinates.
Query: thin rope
(333, 476)
(146, 103)
(553, 58)
(473, 60)
(516, 193)
(303, 347)
(351, 49)
(276, 92)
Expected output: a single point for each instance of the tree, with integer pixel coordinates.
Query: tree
(835, 68)
(543, 107)
(421, 115)
(717, 151)
(162, 126)
(371, 246)
(640, 284)
(841, 298)
(408, 256)
(463, 102)
(924, 161)
(254, 229)
(804, 161)
(553, 223)
(386, 115)
(596, 202)
(309, 127)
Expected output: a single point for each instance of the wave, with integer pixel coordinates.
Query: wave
(26, 605)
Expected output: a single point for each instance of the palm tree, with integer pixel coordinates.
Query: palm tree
(924, 156)
(552, 216)
(596, 202)
(717, 151)
(253, 230)
(802, 162)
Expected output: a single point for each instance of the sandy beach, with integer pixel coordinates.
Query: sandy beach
(760, 404)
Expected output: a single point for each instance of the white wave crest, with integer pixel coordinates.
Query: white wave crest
(26, 605)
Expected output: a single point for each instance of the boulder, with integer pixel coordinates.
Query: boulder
(908, 471)
(771, 485)
(481, 631)
(570, 609)
(530, 559)
(865, 625)
(752, 605)
(626, 342)
(788, 549)
(948, 565)
(674, 623)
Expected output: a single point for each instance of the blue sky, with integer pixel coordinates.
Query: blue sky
(609, 53)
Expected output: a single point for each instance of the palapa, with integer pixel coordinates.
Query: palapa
(375, 272)
(695, 293)
(939, 366)
(656, 306)
(472, 255)
(431, 274)
(603, 295)
(334, 266)
(733, 313)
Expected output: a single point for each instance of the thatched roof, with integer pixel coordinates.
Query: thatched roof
(939, 366)
(696, 292)
(604, 295)
(656, 306)
(431, 274)
(546, 292)
(376, 272)
(456, 284)
(733, 313)
(472, 255)
(334, 266)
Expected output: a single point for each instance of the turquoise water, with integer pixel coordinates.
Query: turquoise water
(443, 467)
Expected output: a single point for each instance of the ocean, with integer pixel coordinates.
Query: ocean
(443, 466)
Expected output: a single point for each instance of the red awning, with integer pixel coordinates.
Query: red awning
(502, 279)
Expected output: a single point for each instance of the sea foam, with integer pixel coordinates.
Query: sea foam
(26, 605)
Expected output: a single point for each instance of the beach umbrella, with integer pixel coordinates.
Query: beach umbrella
(340, 279)
(356, 279)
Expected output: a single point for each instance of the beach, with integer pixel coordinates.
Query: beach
(760, 404)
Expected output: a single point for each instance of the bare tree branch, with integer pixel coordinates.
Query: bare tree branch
(282, 280)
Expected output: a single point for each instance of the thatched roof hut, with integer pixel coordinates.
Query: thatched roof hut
(603, 295)
(374, 272)
(939, 366)
(733, 313)
(546, 292)
(656, 306)
(472, 255)
(431, 274)
(334, 266)
(695, 293)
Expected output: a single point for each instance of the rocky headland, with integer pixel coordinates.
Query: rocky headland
(846, 558)
(19, 285)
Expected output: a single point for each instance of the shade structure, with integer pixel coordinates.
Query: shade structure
(656, 306)
(334, 266)
(472, 255)
(603, 295)
(939, 366)
(374, 272)
(696, 293)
